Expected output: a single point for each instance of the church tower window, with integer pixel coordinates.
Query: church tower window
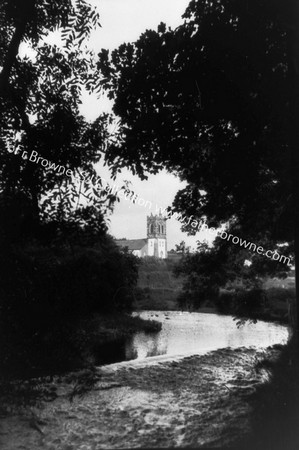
(156, 235)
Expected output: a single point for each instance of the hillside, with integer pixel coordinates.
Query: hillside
(157, 287)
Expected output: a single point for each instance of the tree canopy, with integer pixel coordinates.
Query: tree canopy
(58, 263)
(40, 95)
(209, 101)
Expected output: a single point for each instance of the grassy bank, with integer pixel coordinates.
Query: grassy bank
(274, 309)
(157, 287)
(157, 299)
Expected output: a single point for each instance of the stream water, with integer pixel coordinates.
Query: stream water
(185, 333)
(153, 398)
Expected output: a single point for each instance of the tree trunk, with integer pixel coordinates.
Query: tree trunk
(292, 8)
(25, 14)
(10, 59)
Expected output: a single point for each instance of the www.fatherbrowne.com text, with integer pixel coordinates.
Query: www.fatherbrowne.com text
(128, 195)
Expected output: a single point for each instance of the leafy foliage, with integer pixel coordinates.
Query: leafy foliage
(57, 260)
(45, 290)
(209, 101)
(182, 247)
(210, 270)
(40, 98)
(244, 304)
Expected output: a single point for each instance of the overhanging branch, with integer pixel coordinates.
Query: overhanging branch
(13, 48)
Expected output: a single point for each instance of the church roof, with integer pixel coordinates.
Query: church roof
(132, 244)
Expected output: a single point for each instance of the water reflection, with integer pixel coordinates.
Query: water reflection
(190, 333)
(143, 345)
(197, 333)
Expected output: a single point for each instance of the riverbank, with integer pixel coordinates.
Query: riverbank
(197, 401)
(274, 419)
(275, 308)
(73, 346)
(158, 289)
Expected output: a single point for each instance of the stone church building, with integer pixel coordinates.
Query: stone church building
(154, 245)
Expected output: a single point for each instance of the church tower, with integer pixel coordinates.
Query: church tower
(156, 236)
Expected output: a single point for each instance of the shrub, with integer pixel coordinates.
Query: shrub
(243, 303)
(281, 294)
(225, 302)
(250, 303)
(43, 290)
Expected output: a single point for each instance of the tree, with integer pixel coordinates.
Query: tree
(291, 18)
(211, 270)
(182, 248)
(210, 102)
(39, 113)
(57, 260)
(201, 101)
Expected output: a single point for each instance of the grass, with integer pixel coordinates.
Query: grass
(158, 273)
(157, 288)
(157, 299)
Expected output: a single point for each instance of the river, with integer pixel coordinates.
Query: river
(188, 385)
(197, 333)
(185, 333)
